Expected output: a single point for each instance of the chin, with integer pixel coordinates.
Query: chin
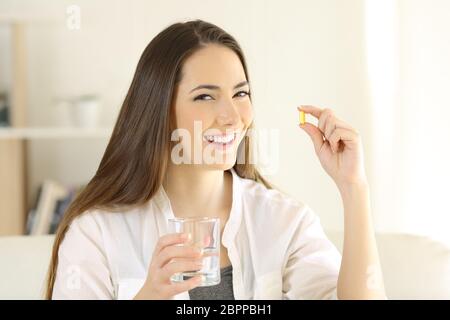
(221, 167)
(225, 163)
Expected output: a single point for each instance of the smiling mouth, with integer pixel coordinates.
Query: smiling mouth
(221, 140)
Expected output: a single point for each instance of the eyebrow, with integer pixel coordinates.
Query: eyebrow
(214, 87)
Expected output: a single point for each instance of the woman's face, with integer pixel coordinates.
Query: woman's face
(212, 108)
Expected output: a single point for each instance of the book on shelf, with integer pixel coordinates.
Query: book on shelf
(4, 109)
(51, 203)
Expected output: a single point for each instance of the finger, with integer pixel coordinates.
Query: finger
(329, 126)
(179, 287)
(325, 115)
(334, 123)
(181, 266)
(344, 125)
(315, 135)
(172, 252)
(169, 240)
(314, 111)
(347, 136)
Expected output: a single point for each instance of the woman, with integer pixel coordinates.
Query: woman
(113, 242)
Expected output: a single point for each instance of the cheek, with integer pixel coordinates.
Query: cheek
(188, 116)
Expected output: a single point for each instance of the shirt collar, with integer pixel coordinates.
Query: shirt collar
(231, 227)
(234, 220)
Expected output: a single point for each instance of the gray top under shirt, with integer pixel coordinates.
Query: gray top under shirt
(221, 291)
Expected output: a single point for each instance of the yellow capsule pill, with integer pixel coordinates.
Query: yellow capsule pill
(302, 117)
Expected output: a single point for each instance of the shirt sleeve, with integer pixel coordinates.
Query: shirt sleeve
(83, 272)
(313, 263)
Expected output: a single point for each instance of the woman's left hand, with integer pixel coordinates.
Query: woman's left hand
(338, 146)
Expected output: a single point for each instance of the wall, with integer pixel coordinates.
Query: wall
(409, 75)
(299, 52)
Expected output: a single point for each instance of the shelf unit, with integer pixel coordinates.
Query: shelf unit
(13, 169)
(12, 150)
(14, 139)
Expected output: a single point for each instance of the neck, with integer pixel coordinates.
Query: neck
(194, 191)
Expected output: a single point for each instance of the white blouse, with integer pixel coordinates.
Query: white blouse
(276, 246)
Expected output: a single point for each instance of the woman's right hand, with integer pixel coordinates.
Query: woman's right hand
(170, 258)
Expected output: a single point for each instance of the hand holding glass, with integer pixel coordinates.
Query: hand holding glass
(205, 235)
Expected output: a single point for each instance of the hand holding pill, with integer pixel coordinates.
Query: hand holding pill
(337, 145)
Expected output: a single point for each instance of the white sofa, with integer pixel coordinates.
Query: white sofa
(414, 267)
(23, 266)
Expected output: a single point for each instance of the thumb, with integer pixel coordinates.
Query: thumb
(315, 135)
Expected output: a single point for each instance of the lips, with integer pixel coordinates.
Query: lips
(223, 142)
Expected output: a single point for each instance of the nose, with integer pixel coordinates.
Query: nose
(228, 114)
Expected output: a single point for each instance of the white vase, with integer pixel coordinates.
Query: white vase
(85, 112)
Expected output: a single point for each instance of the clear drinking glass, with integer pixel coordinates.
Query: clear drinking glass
(205, 235)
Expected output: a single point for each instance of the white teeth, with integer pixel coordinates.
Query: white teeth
(221, 139)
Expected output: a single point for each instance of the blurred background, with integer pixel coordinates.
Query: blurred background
(382, 65)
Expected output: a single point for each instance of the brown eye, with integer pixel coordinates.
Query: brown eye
(203, 97)
(242, 94)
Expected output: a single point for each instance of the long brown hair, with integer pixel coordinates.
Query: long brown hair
(134, 164)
